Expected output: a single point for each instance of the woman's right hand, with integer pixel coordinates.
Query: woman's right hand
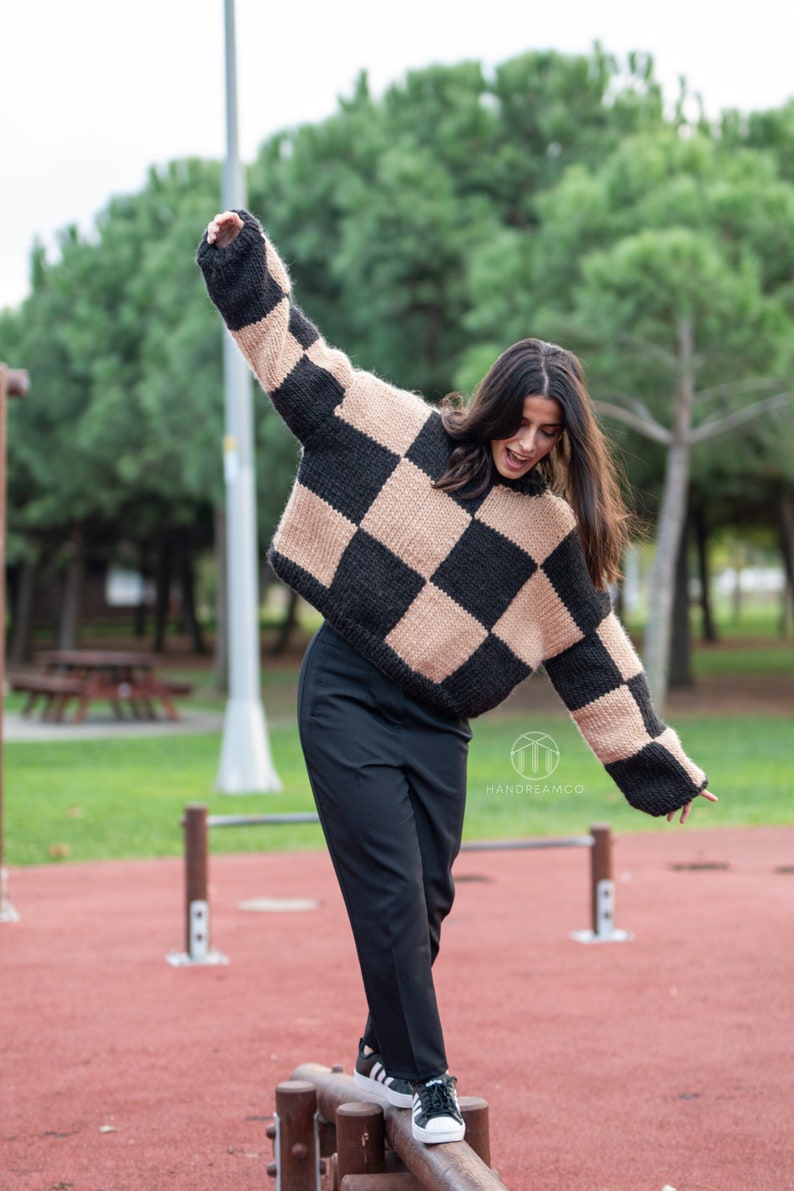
(223, 229)
(688, 807)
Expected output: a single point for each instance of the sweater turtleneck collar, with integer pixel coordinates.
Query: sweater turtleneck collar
(532, 484)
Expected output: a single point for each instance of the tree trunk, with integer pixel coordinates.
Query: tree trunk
(287, 625)
(737, 598)
(786, 534)
(141, 615)
(188, 587)
(20, 645)
(708, 623)
(681, 643)
(672, 515)
(630, 588)
(221, 661)
(162, 607)
(69, 620)
(139, 619)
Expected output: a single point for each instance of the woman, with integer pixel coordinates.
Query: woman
(447, 570)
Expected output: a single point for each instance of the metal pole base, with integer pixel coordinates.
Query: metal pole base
(603, 918)
(7, 911)
(183, 959)
(198, 939)
(590, 936)
(246, 766)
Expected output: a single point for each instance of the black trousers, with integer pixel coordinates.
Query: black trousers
(389, 779)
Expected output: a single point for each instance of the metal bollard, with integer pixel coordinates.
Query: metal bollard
(602, 885)
(197, 908)
(602, 892)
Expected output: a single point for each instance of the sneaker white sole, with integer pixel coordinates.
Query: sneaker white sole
(429, 1137)
(398, 1099)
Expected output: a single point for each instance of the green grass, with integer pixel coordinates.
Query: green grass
(751, 646)
(737, 660)
(116, 798)
(747, 758)
(104, 799)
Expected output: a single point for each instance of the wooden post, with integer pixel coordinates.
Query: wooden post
(13, 383)
(197, 941)
(392, 1181)
(601, 884)
(360, 1139)
(297, 1165)
(453, 1166)
(474, 1111)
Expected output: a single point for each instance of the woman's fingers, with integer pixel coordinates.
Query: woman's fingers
(686, 809)
(223, 228)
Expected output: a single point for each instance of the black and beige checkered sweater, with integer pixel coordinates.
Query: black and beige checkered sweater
(456, 600)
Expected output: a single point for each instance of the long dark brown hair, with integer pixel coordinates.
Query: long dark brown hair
(580, 467)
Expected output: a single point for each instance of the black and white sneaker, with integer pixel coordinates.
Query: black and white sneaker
(370, 1074)
(436, 1113)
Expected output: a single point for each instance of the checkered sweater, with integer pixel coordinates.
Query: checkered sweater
(456, 600)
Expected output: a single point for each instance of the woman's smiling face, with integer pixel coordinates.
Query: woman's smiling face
(541, 426)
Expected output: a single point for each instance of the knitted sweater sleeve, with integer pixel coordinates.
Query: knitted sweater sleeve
(250, 285)
(602, 683)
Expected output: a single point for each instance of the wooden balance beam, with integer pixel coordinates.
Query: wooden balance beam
(451, 1166)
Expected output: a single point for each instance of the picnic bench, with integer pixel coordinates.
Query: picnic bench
(126, 680)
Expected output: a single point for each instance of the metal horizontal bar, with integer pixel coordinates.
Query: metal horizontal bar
(506, 845)
(262, 820)
(498, 845)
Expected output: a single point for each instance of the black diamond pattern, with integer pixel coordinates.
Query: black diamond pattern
(369, 569)
(305, 397)
(483, 572)
(347, 468)
(567, 571)
(465, 684)
(584, 672)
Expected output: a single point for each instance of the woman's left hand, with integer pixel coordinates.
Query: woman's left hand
(686, 809)
(224, 228)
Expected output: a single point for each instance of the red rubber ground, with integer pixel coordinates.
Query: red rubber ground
(666, 1061)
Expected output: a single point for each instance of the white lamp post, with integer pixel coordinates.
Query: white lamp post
(246, 766)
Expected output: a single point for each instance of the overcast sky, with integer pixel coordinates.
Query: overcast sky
(96, 91)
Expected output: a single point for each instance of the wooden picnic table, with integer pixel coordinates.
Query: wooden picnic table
(124, 679)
